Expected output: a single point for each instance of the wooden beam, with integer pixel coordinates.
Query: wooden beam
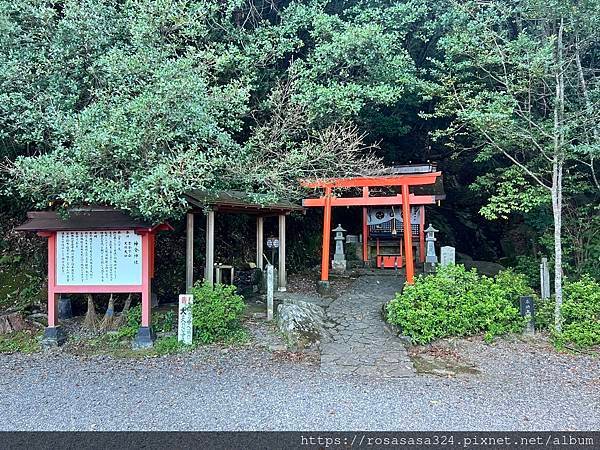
(326, 235)
(210, 247)
(281, 269)
(370, 201)
(408, 250)
(189, 253)
(390, 180)
(259, 241)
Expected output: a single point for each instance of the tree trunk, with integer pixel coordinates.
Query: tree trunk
(557, 214)
(557, 176)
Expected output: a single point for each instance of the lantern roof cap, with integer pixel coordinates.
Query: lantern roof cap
(339, 228)
(430, 229)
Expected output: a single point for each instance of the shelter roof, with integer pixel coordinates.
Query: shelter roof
(238, 202)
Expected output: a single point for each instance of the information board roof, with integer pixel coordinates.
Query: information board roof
(82, 219)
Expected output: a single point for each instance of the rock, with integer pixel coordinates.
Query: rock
(443, 372)
(461, 257)
(484, 267)
(12, 322)
(302, 323)
(277, 348)
(38, 316)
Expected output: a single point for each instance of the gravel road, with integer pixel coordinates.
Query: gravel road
(520, 387)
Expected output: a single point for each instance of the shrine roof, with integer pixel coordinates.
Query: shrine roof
(82, 219)
(238, 202)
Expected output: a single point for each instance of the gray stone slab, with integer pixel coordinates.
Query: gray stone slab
(360, 343)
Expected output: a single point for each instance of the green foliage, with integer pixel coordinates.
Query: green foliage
(168, 345)
(133, 323)
(544, 313)
(20, 341)
(19, 288)
(161, 322)
(92, 94)
(216, 313)
(581, 314)
(457, 302)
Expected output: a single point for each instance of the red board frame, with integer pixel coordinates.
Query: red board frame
(54, 289)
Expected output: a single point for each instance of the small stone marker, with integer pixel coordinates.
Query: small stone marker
(184, 330)
(528, 310)
(269, 292)
(447, 255)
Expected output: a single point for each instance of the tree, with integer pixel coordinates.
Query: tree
(132, 103)
(521, 76)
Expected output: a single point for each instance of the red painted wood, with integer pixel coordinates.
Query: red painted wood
(391, 180)
(365, 227)
(370, 201)
(98, 289)
(146, 270)
(148, 257)
(52, 294)
(326, 235)
(408, 250)
(422, 234)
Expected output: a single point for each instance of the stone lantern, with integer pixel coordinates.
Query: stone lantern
(430, 256)
(339, 259)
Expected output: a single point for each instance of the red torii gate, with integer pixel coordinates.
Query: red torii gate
(328, 200)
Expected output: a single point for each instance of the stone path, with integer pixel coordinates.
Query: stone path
(359, 341)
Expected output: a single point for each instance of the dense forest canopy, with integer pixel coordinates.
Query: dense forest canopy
(132, 102)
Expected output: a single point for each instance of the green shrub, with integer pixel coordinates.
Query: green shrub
(133, 323)
(216, 312)
(544, 313)
(161, 322)
(580, 314)
(458, 302)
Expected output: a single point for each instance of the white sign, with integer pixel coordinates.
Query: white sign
(184, 329)
(447, 256)
(86, 258)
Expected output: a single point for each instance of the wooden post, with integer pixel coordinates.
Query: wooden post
(408, 250)
(422, 234)
(189, 253)
(269, 292)
(281, 270)
(52, 296)
(365, 228)
(259, 241)
(210, 247)
(146, 283)
(326, 235)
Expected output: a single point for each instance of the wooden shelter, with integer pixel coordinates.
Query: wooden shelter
(234, 202)
(409, 180)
